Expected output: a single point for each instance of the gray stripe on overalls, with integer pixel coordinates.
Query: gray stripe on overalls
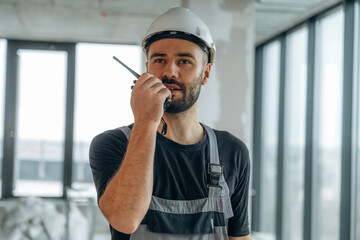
(217, 200)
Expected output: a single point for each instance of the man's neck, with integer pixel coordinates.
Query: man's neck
(183, 128)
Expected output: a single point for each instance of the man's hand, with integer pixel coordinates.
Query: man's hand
(147, 99)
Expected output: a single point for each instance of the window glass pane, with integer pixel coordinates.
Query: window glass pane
(269, 138)
(357, 162)
(102, 99)
(327, 128)
(40, 127)
(294, 130)
(2, 99)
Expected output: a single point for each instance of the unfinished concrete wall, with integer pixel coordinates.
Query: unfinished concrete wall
(226, 102)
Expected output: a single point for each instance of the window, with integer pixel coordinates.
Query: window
(320, 131)
(327, 128)
(39, 146)
(102, 99)
(269, 138)
(294, 134)
(2, 98)
(45, 106)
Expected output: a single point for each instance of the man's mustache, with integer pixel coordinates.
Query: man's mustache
(173, 81)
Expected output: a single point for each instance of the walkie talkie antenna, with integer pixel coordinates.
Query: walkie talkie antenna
(125, 66)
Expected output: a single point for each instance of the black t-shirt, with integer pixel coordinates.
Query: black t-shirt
(180, 171)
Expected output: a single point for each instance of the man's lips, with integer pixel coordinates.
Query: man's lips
(172, 87)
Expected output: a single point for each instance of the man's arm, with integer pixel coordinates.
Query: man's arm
(127, 196)
(238, 225)
(247, 237)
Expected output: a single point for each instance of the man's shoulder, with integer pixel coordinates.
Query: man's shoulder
(228, 140)
(111, 135)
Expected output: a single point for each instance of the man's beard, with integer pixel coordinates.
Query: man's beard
(190, 96)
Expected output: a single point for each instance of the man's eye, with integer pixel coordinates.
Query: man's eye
(159, 60)
(184, 61)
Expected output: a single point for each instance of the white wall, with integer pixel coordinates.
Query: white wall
(226, 102)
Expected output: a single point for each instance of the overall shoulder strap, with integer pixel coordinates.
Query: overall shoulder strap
(214, 167)
(126, 130)
(214, 154)
(218, 187)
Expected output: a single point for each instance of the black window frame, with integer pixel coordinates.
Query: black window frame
(10, 111)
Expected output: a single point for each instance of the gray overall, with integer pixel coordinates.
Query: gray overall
(218, 201)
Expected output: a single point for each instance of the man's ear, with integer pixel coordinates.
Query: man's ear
(207, 70)
(146, 65)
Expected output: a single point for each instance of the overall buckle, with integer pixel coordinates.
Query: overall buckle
(215, 172)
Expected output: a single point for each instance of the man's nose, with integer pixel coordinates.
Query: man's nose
(171, 71)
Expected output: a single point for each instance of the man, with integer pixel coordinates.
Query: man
(167, 176)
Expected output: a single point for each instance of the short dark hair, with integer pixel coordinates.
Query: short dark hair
(178, 35)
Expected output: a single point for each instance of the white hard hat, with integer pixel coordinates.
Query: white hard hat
(180, 23)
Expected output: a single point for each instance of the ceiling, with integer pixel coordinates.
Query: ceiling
(271, 16)
(275, 16)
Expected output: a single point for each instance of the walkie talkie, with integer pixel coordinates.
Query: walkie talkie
(167, 100)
